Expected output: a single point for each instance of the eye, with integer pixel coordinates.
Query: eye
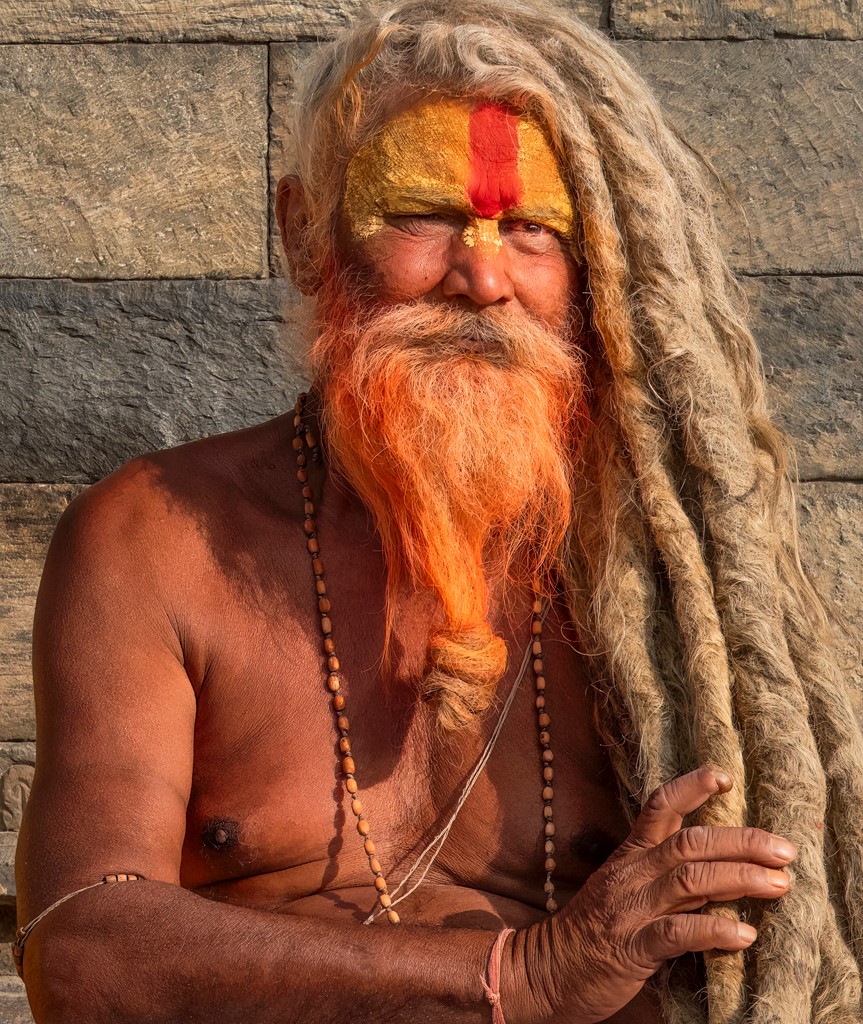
(530, 236)
(431, 222)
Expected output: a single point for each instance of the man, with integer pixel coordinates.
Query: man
(524, 557)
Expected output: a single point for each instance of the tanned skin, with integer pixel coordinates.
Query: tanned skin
(185, 733)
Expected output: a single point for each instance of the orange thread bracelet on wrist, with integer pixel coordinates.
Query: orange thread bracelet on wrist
(492, 986)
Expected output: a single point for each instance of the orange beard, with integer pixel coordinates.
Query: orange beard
(463, 458)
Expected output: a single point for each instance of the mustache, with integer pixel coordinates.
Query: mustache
(437, 331)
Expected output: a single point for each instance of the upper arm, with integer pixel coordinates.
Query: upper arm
(115, 710)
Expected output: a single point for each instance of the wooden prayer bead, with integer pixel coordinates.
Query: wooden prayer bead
(536, 648)
(547, 812)
(549, 846)
(333, 682)
(548, 793)
(301, 459)
(380, 883)
(540, 684)
(348, 766)
(550, 864)
(302, 476)
(324, 605)
(309, 526)
(551, 906)
(312, 545)
(540, 701)
(297, 444)
(385, 900)
(393, 917)
(549, 828)
(329, 646)
(548, 774)
(369, 847)
(537, 666)
(338, 702)
(375, 865)
(343, 723)
(548, 887)
(307, 492)
(317, 566)
(544, 719)
(320, 587)
(362, 826)
(326, 625)
(536, 628)
(351, 786)
(345, 745)
(547, 756)
(333, 663)
(356, 807)
(544, 737)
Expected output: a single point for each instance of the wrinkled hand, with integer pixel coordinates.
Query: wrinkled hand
(635, 911)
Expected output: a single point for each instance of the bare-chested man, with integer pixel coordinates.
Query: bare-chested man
(267, 662)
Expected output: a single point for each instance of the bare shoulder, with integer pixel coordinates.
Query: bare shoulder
(165, 510)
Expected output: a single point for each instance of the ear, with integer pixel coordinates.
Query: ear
(292, 216)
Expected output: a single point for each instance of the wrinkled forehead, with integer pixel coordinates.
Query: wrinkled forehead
(478, 156)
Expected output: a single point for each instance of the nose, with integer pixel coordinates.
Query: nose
(479, 272)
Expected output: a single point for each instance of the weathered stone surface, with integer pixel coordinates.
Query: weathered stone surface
(780, 122)
(831, 530)
(735, 19)
(28, 513)
(810, 332)
(97, 373)
(8, 841)
(133, 161)
(186, 20)
(16, 778)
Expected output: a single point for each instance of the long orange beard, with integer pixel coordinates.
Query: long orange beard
(463, 458)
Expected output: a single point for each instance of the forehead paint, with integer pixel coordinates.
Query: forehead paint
(479, 159)
(494, 184)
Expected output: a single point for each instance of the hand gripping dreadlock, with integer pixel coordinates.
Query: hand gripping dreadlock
(681, 568)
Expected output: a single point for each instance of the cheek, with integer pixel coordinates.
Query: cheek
(548, 285)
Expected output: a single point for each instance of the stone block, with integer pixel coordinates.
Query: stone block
(780, 122)
(17, 762)
(97, 373)
(735, 19)
(831, 530)
(810, 332)
(8, 842)
(28, 514)
(126, 161)
(189, 21)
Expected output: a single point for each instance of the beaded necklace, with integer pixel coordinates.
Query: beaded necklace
(305, 439)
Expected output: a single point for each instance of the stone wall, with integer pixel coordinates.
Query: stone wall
(140, 303)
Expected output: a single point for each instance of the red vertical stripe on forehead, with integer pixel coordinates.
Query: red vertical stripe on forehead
(493, 182)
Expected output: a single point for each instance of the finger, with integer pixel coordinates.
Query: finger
(692, 884)
(713, 842)
(689, 933)
(663, 813)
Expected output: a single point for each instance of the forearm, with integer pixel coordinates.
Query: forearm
(155, 952)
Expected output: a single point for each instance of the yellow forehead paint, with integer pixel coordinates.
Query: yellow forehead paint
(478, 159)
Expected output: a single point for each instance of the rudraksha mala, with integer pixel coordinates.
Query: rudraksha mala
(305, 440)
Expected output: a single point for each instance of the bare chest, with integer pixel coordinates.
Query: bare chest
(268, 822)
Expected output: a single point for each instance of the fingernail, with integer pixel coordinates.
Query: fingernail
(746, 932)
(723, 780)
(782, 848)
(779, 879)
